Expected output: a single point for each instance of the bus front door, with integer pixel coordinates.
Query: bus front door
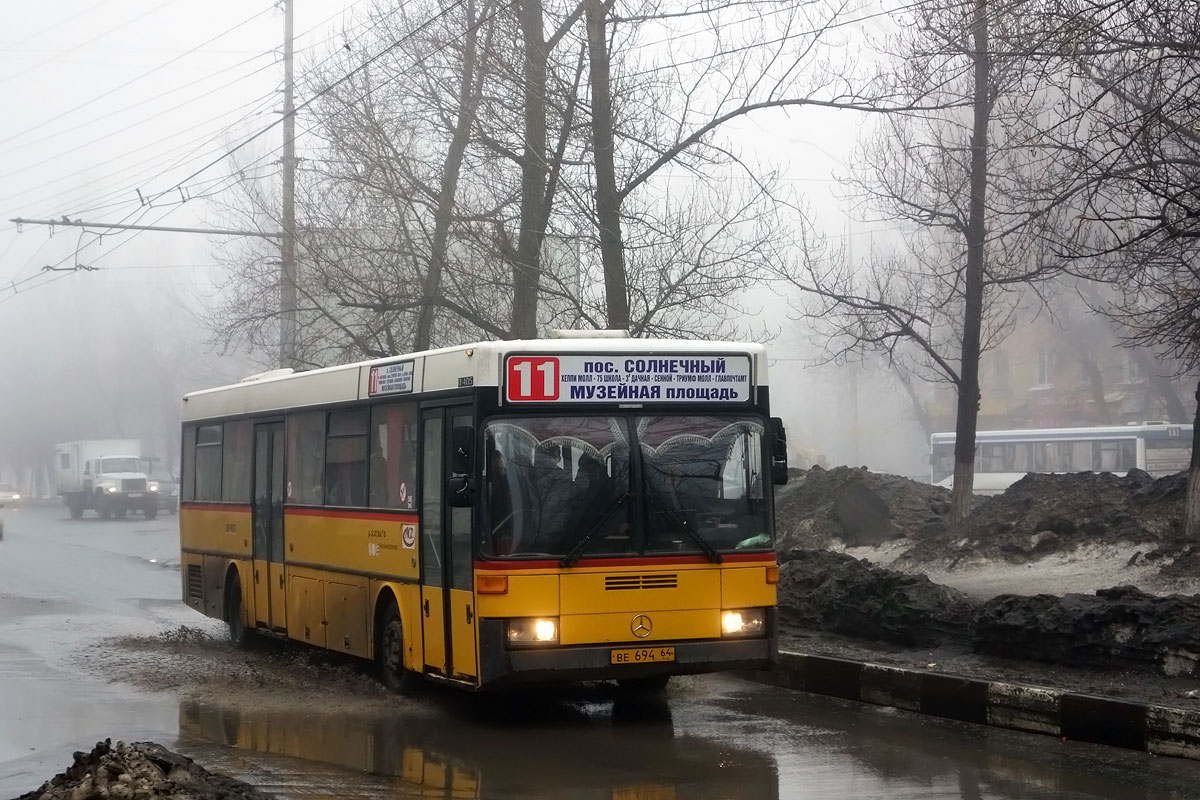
(447, 593)
(269, 602)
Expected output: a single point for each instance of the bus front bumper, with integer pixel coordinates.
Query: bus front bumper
(502, 666)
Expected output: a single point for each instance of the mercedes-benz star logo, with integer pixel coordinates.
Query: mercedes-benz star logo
(641, 626)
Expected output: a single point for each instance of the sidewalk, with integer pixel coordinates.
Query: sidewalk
(1136, 711)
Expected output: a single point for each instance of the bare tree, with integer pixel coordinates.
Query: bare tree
(949, 178)
(1134, 148)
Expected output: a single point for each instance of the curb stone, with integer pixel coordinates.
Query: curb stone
(1158, 730)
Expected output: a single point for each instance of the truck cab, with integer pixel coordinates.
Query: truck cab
(106, 476)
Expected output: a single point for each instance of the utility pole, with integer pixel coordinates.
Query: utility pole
(288, 277)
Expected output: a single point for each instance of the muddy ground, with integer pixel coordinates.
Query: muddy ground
(1077, 571)
(1055, 533)
(955, 659)
(199, 663)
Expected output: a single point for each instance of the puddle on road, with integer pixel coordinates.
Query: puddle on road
(509, 748)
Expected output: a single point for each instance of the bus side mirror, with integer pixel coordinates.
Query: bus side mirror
(460, 491)
(462, 447)
(460, 488)
(779, 453)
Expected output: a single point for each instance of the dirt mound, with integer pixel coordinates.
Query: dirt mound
(1114, 628)
(854, 506)
(1042, 514)
(140, 771)
(839, 593)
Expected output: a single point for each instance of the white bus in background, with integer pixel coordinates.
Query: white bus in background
(1004, 457)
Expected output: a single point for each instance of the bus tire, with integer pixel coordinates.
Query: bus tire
(653, 685)
(389, 651)
(76, 509)
(103, 511)
(150, 512)
(235, 619)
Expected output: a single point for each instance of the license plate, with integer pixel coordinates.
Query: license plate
(644, 793)
(135, 495)
(643, 655)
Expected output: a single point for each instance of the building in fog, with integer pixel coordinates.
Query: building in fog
(1044, 376)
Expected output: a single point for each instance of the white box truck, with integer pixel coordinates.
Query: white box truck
(105, 475)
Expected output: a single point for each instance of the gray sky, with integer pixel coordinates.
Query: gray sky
(106, 98)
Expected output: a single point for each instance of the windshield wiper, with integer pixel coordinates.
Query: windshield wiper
(575, 552)
(676, 515)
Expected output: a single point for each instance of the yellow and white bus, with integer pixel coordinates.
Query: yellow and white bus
(495, 513)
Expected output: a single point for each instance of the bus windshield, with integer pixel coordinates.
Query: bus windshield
(636, 485)
(109, 466)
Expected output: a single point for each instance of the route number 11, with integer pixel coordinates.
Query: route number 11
(532, 379)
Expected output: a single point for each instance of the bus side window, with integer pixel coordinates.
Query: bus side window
(346, 458)
(305, 458)
(394, 456)
(236, 460)
(208, 462)
(1081, 456)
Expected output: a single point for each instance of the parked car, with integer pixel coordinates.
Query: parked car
(9, 496)
(168, 492)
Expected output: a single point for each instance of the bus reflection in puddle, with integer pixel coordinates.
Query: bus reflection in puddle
(634, 754)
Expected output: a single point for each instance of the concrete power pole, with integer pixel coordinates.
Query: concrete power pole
(288, 275)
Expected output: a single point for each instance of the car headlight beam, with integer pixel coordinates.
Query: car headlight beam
(743, 622)
(532, 631)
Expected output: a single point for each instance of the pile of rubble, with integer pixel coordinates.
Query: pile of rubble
(139, 771)
(838, 593)
(856, 507)
(1113, 628)
(1041, 514)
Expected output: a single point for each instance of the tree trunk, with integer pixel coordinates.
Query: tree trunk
(451, 167)
(1191, 512)
(608, 204)
(1095, 379)
(968, 387)
(527, 267)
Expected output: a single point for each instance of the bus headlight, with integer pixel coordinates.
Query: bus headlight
(153, 487)
(533, 631)
(743, 622)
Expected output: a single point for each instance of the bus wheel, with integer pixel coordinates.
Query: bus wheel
(76, 508)
(150, 512)
(234, 618)
(656, 684)
(389, 651)
(103, 511)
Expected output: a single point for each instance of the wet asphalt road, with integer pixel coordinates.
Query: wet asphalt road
(68, 586)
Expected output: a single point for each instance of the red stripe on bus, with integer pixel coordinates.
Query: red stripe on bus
(193, 505)
(377, 516)
(642, 561)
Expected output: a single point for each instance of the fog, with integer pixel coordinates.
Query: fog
(124, 111)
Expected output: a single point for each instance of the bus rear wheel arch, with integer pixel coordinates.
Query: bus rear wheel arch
(389, 647)
(235, 617)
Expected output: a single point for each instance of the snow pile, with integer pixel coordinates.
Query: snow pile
(1121, 628)
(139, 771)
(1042, 514)
(856, 507)
(838, 593)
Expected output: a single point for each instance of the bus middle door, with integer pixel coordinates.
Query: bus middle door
(269, 603)
(447, 591)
